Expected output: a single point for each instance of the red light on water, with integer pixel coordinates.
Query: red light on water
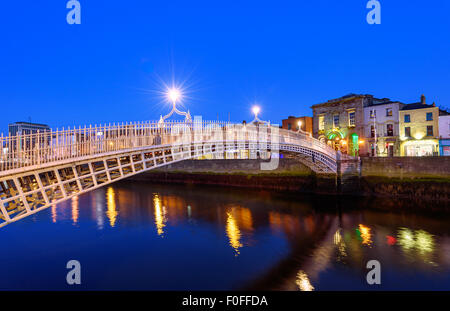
(391, 240)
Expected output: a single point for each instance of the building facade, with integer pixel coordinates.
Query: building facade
(26, 128)
(340, 122)
(292, 123)
(444, 134)
(419, 129)
(381, 127)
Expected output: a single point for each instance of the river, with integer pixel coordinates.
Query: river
(142, 236)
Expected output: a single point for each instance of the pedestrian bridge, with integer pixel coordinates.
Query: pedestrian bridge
(42, 169)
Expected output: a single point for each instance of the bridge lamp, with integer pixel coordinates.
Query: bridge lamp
(256, 110)
(299, 125)
(173, 94)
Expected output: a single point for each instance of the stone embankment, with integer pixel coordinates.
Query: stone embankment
(409, 178)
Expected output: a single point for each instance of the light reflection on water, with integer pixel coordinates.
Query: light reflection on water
(233, 233)
(111, 213)
(74, 210)
(160, 215)
(233, 239)
(303, 282)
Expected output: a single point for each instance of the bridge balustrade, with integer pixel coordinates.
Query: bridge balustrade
(46, 148)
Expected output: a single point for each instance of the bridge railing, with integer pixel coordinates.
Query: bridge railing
(20, 151)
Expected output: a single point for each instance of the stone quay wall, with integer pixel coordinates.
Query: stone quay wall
(425, 178)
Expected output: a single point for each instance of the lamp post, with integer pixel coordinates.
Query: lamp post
(173, 96)
(299, 126)
(256, 110)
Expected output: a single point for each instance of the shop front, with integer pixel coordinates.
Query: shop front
(444, 147)
(420, 148)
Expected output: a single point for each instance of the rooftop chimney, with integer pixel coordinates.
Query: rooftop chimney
(422, 100)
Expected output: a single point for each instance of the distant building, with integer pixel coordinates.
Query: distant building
(419, 129)
(444, 133)
(25, 128)
(381, 126)
(340, 122)
(292, 123)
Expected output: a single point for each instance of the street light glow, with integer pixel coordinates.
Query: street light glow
(255, 110)
(173, 94)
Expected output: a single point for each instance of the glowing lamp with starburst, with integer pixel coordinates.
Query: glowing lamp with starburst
(173, 94)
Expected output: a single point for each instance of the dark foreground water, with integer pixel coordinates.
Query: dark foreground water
(134, 235)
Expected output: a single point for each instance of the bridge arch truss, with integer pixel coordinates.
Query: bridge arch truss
(45, 169)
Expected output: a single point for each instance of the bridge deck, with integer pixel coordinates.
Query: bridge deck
(43, 169)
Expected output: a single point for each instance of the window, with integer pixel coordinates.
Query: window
(429, 116)
(351, 118)
(388, 112)
(407, 131)
(372, 131)
(407, 118)
(289, 126)
(373, 113)
(429, 130)
(336, 120)
(389, 130)
(321, 123)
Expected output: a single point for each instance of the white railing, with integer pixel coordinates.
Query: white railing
(45, 148)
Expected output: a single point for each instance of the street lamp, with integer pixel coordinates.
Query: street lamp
(173, 95)
(299, 126)
(256, 110)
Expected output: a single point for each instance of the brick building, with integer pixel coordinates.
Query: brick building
(292, 123)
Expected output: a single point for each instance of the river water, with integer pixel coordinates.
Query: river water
(143, 236)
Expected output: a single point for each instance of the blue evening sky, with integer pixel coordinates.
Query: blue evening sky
(286, 55)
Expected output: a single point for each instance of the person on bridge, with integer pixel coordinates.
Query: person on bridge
(157, 140)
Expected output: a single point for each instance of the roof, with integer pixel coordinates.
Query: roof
(292, 117)
(385, 103)
(29, 123)
(352, 96)
(417, 106)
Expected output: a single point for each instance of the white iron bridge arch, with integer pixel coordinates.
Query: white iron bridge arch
(42, 169)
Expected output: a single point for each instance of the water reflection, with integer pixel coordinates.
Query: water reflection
(233, 233)
(303, 282)
(98, 208)
(417, 243)
(365, 235)
(74, 210)
(406, 239)
(424, 241)
(295, 243)
(390, 240)
(54, 215)
(160, 215)
(340, 244)
(111, 211)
